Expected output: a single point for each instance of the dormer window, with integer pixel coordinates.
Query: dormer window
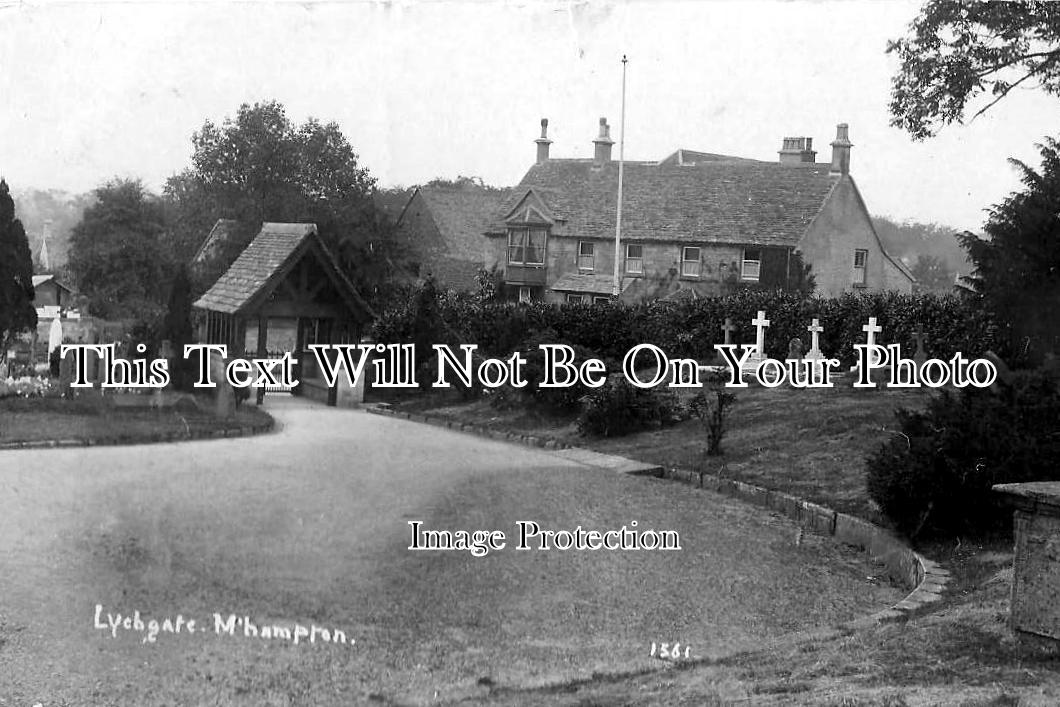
(526, 246)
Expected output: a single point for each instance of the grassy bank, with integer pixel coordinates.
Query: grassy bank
(96, 419)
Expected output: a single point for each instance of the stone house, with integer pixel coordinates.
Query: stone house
(441, 228)
(693, 224)
(51, 296)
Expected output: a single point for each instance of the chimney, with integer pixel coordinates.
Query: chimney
(543, 142)
(797, 149)
(603, 144)
(841, 150)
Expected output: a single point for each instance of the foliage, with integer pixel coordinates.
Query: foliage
(563, 399)
(932, 275)
(691, 328)
(260, 166)
(178, 330)
(59, 211)
(935, 475)
(118, 253)
(1017, 267)
(620, 408)
(957, 51)
(908, 240)
(710, 407)
(17, 313)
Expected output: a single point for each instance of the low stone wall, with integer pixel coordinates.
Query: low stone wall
(925, 578)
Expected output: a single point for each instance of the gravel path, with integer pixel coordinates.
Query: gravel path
(308, 527)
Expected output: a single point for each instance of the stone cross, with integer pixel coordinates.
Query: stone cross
(871, 330)
(921, 354)
(760, 322)
(815, 330)
(728, 328)
(795, 349)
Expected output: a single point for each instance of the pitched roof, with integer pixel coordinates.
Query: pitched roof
(264, 261)
(462, 214)
(690, 158)
(222, 230)
(739, 201)
(39, 280)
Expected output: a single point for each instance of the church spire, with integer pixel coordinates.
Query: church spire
(42, 255)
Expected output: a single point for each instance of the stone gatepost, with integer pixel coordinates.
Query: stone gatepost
(1036, 579)
(225, 397)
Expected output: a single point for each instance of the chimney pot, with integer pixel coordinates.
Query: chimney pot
(841, 150)
(543, 142)
(603, 144)
(797, 150)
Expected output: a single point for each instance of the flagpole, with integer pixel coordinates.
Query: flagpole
(616, 287)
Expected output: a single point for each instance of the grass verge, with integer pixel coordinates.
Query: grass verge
(98, 420)
(813, 444)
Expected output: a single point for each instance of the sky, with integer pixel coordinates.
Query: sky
(94, 90)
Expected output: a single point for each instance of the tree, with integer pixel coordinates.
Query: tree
(259, 166)
(931, 274)
(118, 254)
(1017, 268)
(177, 326)
(17, 313)
(957, 51)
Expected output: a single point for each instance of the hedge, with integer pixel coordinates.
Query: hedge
(691, 328)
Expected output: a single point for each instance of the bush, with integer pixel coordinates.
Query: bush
(620, 408)
(935, 475)
(710, 407)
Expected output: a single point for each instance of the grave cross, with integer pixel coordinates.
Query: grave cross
(728, 327)
(815, 330)
(760, 322)
(871, 330)
(921, 354)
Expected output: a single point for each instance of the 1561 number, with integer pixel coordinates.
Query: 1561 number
(669, 651)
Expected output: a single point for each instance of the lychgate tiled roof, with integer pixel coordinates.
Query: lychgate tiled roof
(722, 201)
(262, 261)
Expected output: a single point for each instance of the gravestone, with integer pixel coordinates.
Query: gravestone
(727, 330)
(761, 324)
(920, 355)
(815, 329)
(3, 371)
(795, 349)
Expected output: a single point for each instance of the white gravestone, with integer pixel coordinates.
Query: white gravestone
(815, 329)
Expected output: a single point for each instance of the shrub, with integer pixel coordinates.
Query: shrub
(936, 474)
(710, 407)
(556, 400)
(620, 408)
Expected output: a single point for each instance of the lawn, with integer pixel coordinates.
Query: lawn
(91, 418)
(811, 443)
